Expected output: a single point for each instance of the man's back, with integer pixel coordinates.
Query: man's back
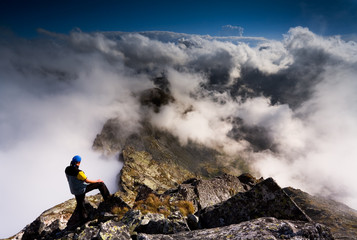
(76, 179)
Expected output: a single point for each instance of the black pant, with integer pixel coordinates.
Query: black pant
(80, 198)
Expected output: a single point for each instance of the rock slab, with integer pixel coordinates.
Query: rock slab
(261, 228)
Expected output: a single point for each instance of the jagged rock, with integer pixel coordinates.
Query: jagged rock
(266, 199)
(203, 192)
(261, 228)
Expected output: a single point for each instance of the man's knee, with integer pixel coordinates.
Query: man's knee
(102, 186)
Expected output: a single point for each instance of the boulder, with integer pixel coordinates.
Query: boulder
(216, 190)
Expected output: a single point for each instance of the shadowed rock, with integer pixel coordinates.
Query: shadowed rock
(265, 199)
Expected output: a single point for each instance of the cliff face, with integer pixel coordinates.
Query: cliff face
(168, 191)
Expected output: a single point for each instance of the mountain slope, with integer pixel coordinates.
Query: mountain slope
(341, 219)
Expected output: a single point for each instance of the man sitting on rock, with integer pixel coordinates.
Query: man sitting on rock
(79, 185)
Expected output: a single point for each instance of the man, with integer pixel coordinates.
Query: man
(79, 185)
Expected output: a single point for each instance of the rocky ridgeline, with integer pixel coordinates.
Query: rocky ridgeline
(224, 207)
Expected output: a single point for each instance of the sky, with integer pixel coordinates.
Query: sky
(284, 100)
(260, 18)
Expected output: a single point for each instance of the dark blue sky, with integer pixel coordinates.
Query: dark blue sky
(261, 18)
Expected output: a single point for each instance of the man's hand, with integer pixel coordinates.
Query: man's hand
(93, 181)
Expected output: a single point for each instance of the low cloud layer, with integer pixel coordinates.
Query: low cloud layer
(288, 107)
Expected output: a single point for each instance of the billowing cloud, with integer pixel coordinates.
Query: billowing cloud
(289, 107)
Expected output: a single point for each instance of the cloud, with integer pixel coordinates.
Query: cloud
(288, 106)
(195, 116)
(318, 155)
(54, 100)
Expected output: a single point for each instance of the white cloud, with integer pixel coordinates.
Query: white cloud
(317, 154)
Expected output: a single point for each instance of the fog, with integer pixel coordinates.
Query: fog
(288, 107)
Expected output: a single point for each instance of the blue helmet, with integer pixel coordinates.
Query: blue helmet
(76, 159)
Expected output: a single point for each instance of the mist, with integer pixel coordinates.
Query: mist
(288, 107)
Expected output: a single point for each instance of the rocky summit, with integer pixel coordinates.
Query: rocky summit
(169, 191)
